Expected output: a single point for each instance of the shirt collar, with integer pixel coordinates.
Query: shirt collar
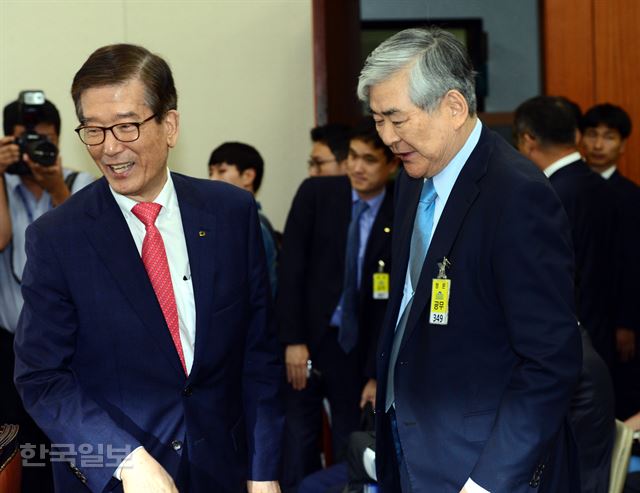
(561, 163)
(12, 181)
(373, 203)
(606, 174)
(166, 198)
(443, 182)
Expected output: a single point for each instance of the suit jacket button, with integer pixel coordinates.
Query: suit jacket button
(176, 445)
(187, 391)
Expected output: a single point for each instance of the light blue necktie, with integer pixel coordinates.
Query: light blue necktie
(348, 333)
(420, 240)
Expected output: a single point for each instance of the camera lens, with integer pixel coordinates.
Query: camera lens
(42, 152)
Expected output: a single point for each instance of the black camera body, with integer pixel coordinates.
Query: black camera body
(37, 146)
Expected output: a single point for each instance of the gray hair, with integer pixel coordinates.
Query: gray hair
(437, 61)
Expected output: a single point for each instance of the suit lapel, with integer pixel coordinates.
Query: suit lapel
(463, 195)
(200, 236)
(109, 235)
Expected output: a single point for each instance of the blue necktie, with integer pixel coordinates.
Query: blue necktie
(348, 333)
(420, 240)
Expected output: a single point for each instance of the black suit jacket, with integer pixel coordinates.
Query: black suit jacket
(628, 201)
(589, 203)
(593, 420)
(312, 263)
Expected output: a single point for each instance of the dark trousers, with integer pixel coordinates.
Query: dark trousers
(337, 377)
(35, 478)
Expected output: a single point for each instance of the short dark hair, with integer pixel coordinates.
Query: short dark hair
(242, 156)
(47, 113)
(550, 119)
(610, 115)
(366, 131)
(119, 63)
(335, 136)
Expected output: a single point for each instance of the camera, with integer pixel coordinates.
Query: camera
(37, 146)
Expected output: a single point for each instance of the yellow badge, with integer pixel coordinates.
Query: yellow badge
(440, 289)
(381, 283)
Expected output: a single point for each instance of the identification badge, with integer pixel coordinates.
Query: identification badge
(381, 283)
(440, 290)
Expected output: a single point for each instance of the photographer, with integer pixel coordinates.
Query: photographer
(28, 189)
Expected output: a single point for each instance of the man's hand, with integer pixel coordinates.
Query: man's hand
(50, 178)
(143, 474)
(368, 393)
(296, 357)
(9, 153)
(626, 344)
(263, 487)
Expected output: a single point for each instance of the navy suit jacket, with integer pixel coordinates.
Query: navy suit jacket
(95, 363)
(485, 396)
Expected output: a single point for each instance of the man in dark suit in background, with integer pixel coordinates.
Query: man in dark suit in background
(146, 324)
(480, 349)
(547, 131)
(605, 130)
(333, 287)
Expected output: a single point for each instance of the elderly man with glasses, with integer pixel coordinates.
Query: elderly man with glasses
(145, 347)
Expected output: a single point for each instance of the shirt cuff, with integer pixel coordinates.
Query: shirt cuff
(118, 473)
(369, 462)
(472, 487)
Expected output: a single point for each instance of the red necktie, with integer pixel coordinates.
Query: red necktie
(155, 262)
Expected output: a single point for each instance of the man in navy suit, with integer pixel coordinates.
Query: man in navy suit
(168, 361)
(547, 133)
(480, 349)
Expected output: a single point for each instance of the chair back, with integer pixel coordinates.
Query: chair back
(10, 463)
(620, 457)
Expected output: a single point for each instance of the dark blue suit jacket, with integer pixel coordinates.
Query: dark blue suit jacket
(486, 395)
(95, 363)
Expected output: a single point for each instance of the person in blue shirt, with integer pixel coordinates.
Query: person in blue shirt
(25, 197)
(242, 165)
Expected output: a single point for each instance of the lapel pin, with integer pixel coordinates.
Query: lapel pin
(387, 229)
(202, 233)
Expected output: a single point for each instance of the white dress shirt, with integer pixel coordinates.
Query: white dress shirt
(169, 223)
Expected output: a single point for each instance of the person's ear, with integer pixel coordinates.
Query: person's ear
(456, 107)
(171, 124)
(247, 177)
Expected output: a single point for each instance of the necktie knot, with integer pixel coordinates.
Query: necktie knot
(428, 194)
(359, 207)
(147, 212)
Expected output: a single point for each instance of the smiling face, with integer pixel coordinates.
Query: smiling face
(136, 169)
(425, 142)
(368, 168)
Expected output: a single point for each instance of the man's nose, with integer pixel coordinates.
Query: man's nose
(388, 134)
(111, 145)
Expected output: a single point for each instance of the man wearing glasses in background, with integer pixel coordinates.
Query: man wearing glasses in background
(120, 283)
(329, 150)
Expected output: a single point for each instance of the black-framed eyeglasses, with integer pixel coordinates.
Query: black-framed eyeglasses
(124, 132)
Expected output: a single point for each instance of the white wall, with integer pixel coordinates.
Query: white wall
(514, 39)
(243, 70)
